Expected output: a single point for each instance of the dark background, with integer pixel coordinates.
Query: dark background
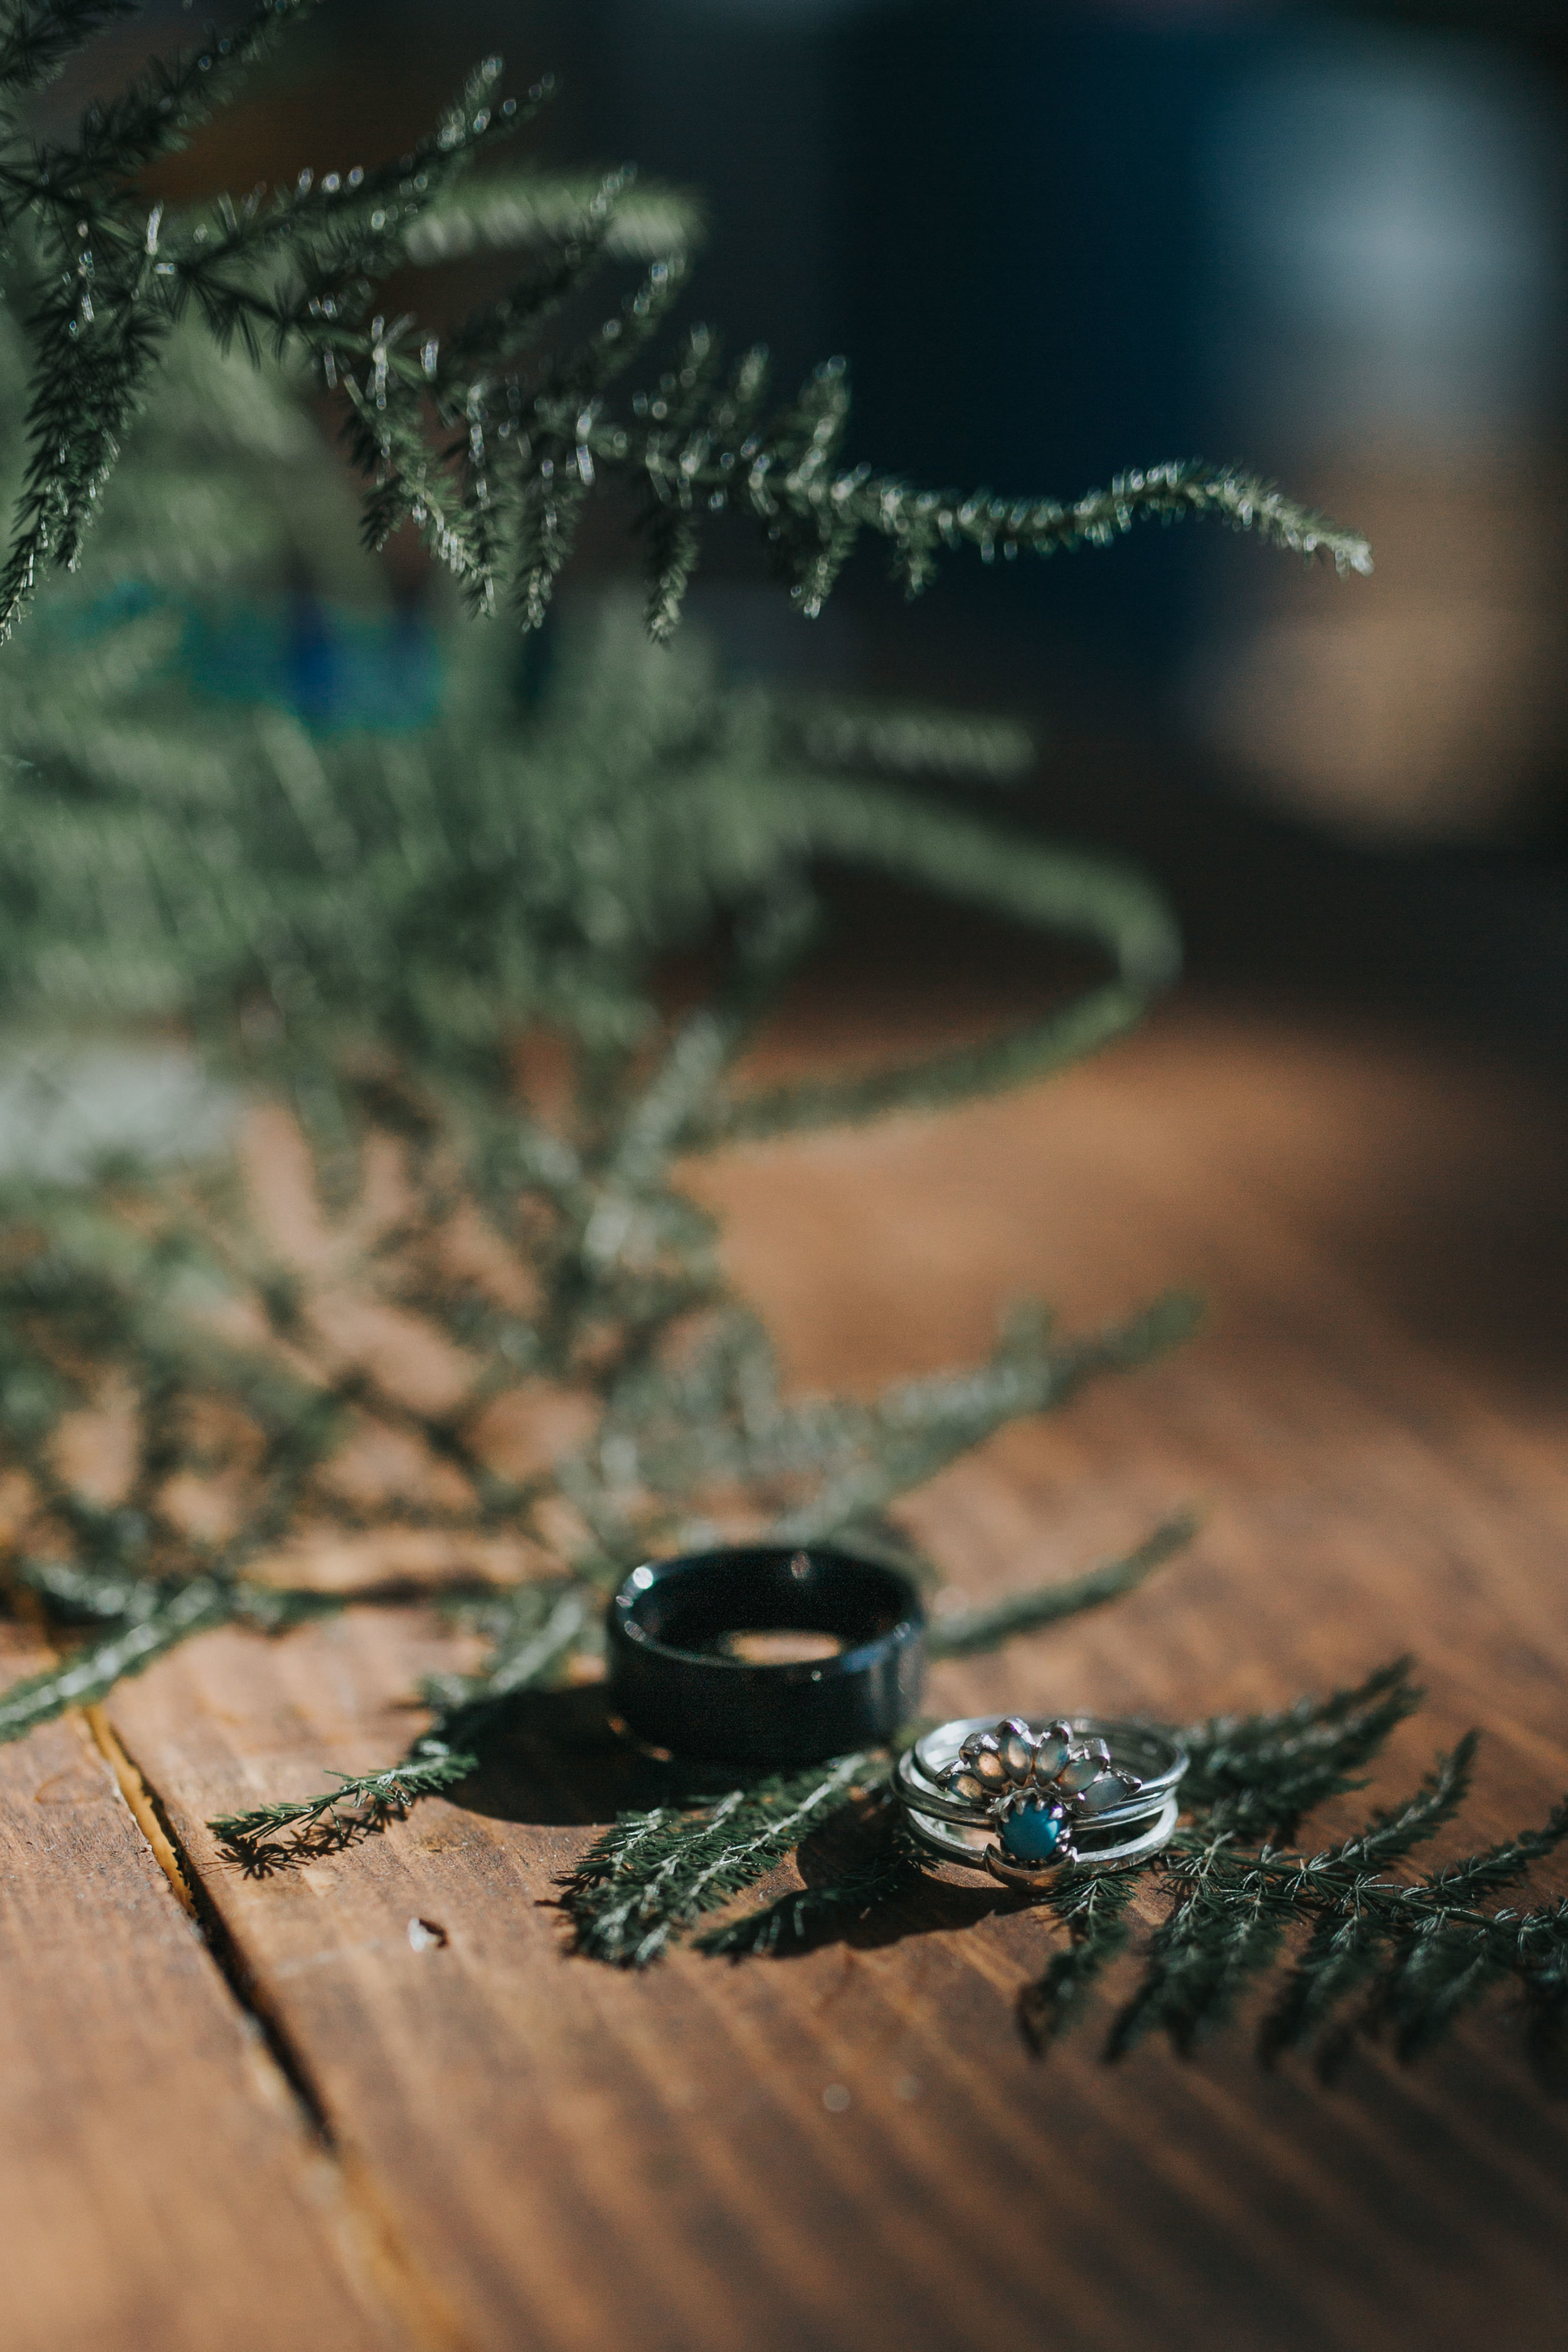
(1058, 237)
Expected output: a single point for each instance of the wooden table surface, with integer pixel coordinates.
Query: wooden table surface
(297, 2132)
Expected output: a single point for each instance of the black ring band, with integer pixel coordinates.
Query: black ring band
(675, 1688)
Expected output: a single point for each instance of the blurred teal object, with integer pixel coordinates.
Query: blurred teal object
(337, 670)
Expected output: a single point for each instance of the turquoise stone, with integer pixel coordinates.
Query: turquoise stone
(1033, 1833)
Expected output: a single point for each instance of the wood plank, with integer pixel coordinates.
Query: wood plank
(572, 2159)
(154, 2160)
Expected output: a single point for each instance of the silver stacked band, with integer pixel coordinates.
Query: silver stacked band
(1021, 1797)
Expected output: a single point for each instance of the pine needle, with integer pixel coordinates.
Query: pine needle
(964, 1631)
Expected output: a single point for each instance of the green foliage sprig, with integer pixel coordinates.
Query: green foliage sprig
(646, 1881)
(324, 1823)
(967, 1633)
(148, 1617)
(486, 440)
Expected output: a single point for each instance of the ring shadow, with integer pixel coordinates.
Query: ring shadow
(560, 1760)
(932, 1906)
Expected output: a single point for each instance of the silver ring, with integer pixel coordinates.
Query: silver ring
(1023, 1796)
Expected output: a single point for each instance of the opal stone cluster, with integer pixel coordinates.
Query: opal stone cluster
(1035, 1786)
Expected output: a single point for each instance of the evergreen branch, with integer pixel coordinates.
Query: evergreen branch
(1445, 1968)
(39, 38)
(1411, 1954)
(150, 1617)
(966, 1633)
(619, 1261)
(917, 1428)
(1416, 1959)
(814, 515)
(1092, 1906)
(1164, 493)
(660, 1119)
(153, 117)
(534, 1631)
(1068, 896)
(1085, 1027)
(673, 549)
(330, 1818)
(646, 222)
(332, 234)
(1392, 1834)
(89, 1677)
(1266, 1771)
(641, 1884)
(75, 1590)
(1499, 1865)
(492, 452)
(1224, 1933)
(912, 743)
(673, 1430)
(1340, 1963)
(1542, 1944)
(92, 371)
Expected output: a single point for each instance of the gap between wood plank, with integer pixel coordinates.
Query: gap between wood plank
(418, 2306)
(139, 1797)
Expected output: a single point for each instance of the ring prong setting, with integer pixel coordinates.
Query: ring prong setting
(1035, 1787)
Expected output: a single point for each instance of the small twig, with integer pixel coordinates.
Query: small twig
(316, 1824)
(966, 1632)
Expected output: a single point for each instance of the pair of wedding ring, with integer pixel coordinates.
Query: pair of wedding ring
(1019, 1797)
(1023, 1796)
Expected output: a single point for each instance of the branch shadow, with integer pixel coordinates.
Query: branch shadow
(849, 1842)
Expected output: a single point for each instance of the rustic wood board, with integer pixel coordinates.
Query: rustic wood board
(569, 2158)
(159, 2186)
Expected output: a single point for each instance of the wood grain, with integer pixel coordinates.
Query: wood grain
(154, 2164)
(568, 2157)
